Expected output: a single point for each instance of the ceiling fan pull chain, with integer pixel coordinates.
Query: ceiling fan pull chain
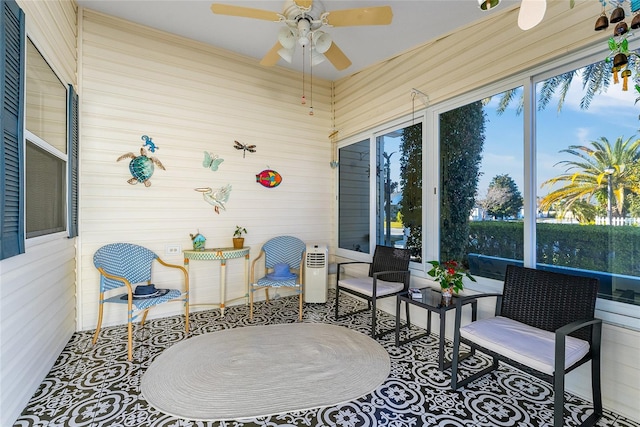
(311, 79)
(304, 99)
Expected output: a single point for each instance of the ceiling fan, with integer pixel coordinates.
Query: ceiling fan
(304, 20)
(530, 14)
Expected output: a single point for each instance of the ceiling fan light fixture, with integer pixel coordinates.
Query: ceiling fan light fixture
(286, 54)
(286, 38)
(531, 13)
(322, 41)
(316, 58)
(488, 4)
(304, 27)
(303, 41)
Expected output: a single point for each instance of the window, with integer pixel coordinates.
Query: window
(387, 203)
(45, 192)
(588, 157)
(46, 148)
(39, 164)
(399, 189)
(353, 198)
(552, 175)
(481, 177)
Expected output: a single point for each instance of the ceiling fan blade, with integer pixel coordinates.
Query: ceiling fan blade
(531, 13)
(305, 4)
(272, 57)
(246, 12)
(381, 15)
(337, 57)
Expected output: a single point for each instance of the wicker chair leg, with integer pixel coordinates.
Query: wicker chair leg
(130, 344)
(406, 307)
(558, 399)
(596, 388)
(186, 316)
(372, 304)
(99, 325)
(251, 291)
(300, 305)
(596, 384)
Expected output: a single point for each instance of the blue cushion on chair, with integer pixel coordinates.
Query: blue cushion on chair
(281, 271)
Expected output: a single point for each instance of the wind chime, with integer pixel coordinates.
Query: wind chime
(621, 58)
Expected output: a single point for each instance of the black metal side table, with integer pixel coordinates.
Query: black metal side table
(431, 300)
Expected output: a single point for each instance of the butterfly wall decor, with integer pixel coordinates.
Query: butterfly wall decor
(244, 148)
(211, 161)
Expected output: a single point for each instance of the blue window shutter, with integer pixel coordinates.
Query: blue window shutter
(72, 150)
(12, 54)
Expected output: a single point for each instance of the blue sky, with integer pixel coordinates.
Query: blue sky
(612, 115)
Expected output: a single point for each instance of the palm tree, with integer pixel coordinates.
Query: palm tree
(595, 79)
(588, 178)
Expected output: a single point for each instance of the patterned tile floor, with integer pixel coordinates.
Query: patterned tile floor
(96, 386)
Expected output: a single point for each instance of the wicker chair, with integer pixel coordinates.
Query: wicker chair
(388, 276)
(125, 265)
(287, 250)
(544, 325)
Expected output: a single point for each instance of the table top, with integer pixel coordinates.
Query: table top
(216, 253)
(432, 299)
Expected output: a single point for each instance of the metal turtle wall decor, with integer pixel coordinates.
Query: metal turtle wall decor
(141, 166)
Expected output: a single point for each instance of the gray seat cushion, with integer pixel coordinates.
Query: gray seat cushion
(364, 285)
(523, 343)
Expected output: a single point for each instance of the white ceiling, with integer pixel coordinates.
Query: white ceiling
(414, 23)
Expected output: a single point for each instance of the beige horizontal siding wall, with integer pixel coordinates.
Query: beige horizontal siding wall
(192, 98)
(469, 59)
(461, 61)
(37, 288)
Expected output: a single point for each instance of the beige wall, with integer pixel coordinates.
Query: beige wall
(461, 61)
(192, 98)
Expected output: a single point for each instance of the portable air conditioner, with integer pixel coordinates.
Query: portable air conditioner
(316, 274)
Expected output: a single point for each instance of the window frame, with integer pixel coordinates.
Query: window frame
(618, 313)
(38, 142)
(70, 158)
(372, 135)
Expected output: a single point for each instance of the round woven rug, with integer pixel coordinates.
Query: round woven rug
(259, 371)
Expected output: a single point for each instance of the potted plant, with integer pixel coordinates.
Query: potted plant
(449, 274)
(238, 240)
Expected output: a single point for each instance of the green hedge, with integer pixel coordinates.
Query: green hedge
(590, 247)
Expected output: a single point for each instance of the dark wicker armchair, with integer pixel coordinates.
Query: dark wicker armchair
(544, 325)
(388, 276)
